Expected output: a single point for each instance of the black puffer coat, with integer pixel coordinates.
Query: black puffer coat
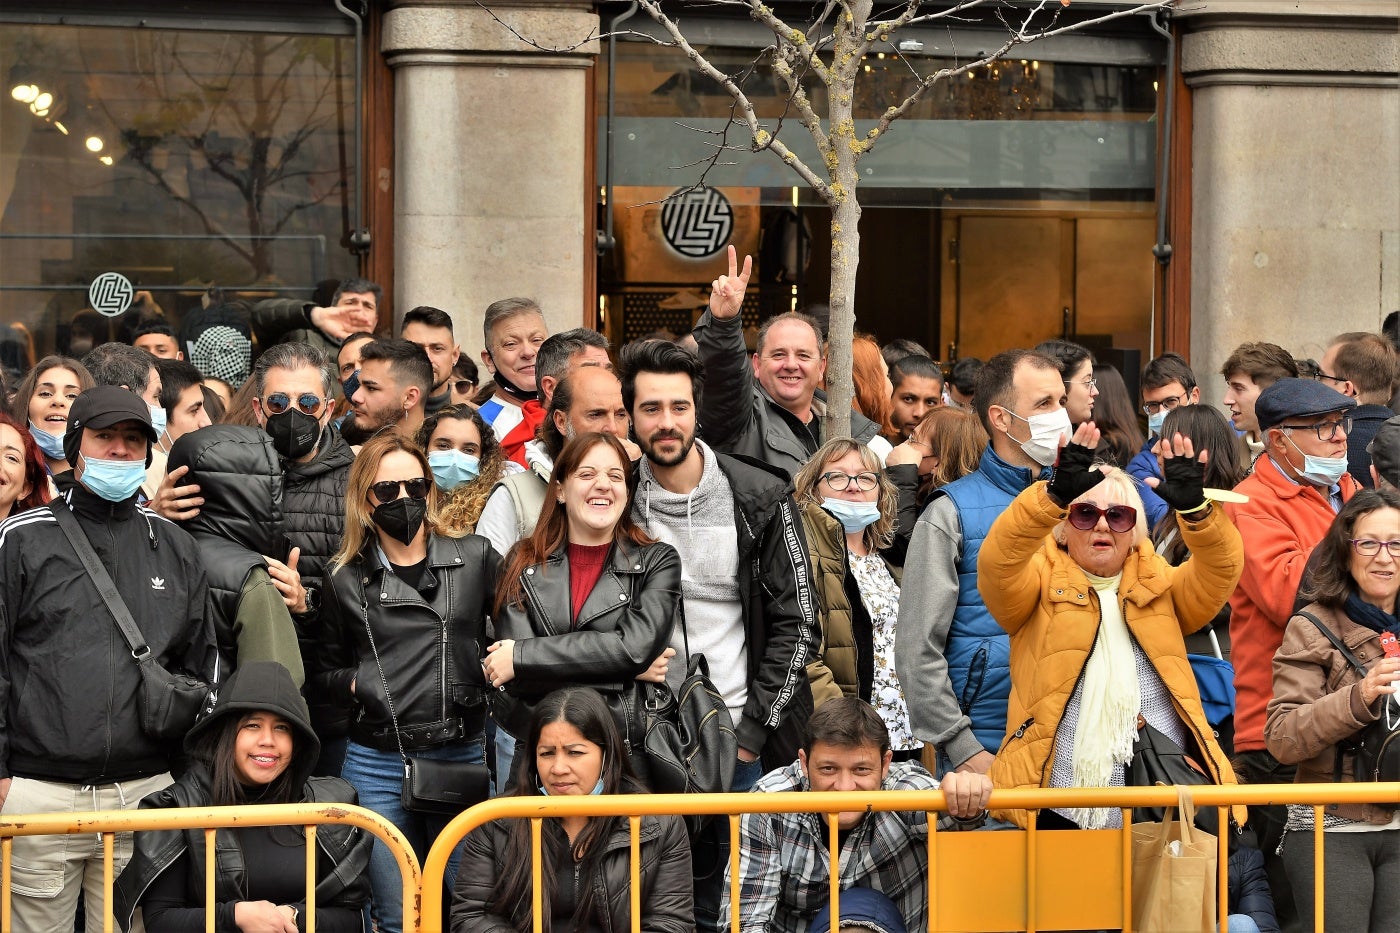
(240, 480)
(342, 886)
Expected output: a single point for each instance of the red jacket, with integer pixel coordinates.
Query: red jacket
(1280, 525)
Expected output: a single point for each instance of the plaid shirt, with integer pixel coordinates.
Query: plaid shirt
(785, 866)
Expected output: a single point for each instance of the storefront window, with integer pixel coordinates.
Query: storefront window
(182, 159)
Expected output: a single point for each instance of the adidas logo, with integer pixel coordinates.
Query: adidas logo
(157, 583)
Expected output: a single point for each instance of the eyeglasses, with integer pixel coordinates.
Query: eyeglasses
(1090, 383)
(1325, 430)
(308, 403)
(388, 491)
(1085, 516)
(464, 386)
(840, 482)
(1369, 547)
(1319, 375)
(1166, 404)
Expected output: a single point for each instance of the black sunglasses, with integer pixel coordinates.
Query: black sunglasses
(388, 491)
(308, 403)
(1085, 516)
(464, 386)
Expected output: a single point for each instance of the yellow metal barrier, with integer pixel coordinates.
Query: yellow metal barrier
(211, 819)
(1008, 880)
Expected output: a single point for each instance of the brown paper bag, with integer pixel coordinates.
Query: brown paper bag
(1174, 873)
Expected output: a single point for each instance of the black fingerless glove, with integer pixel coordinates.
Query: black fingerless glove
(1181, 488)
(1072, 477)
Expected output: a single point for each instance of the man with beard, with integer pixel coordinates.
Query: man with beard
(395, 378)
(749, 608)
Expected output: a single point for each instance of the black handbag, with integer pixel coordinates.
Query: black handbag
(431, 785)
(1158, 760)
(169, 703)
(1375, 750)
(688, 740)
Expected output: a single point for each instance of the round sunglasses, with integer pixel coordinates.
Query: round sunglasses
(1085, 516)
(308, 403)
(388, 490)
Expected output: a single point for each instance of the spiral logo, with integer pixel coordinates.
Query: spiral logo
(697, 224)
(110, 293)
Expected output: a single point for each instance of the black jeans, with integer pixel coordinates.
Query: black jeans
(1267, 824)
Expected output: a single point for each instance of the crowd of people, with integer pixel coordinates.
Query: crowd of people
(375, 557)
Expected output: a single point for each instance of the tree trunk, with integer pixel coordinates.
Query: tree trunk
(845, 254)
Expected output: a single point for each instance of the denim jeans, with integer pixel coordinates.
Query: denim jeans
(505, 758)
(710, 852)
(378, 778)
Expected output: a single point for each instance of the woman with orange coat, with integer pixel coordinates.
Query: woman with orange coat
(1097, 623)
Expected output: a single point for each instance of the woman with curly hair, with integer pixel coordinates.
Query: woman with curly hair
(467, 462)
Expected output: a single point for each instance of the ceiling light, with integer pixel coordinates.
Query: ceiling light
(105, 160)
(25, 93)
(94, 144)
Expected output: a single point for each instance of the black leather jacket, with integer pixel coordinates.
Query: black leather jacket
(430, 646)
(668, 904)
(624, 625)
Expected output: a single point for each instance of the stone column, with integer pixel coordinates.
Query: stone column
(1295, 173)
(491, 198)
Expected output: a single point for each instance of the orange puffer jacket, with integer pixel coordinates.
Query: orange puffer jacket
(1043, 599)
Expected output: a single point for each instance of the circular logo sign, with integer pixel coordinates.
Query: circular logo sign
(110, 293)
(697, 223)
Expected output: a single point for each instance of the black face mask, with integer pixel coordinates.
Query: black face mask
(294, 433)
(401, 519)
(510, 388)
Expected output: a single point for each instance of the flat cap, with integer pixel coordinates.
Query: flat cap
(1385, 451)
(1297, 398)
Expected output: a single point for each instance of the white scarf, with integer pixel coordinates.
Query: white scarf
(1108, 703)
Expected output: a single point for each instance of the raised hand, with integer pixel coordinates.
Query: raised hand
(1183, 474)
(288, 581)
(1072, 476)
(727, 291)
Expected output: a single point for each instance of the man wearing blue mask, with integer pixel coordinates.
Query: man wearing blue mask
(72, 735)
(1167, 384)
(954, 660)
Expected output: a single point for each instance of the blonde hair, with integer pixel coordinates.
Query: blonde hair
(1123, 490)
(359, 523)
(877, 536)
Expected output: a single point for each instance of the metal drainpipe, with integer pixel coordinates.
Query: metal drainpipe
(359, 238)
(606, 241)
(1163, 249)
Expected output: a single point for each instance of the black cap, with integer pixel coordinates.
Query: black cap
(1297, 398)
(1385, 451)
(102, 407)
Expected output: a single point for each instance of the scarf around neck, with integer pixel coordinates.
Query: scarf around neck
(1373, 617)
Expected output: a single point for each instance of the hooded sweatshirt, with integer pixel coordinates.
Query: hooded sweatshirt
(700, 526)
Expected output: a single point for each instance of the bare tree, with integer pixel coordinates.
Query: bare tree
(830, 51)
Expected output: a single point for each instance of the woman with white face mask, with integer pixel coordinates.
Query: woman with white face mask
(467, 462)
(850, 509)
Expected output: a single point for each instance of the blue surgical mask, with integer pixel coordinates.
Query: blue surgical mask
(50, 444)
(351, 385)
(1322, 471)
(853, 516)
(113, 480)
(158, 419)
(1154, 423)
(452, 468)
(597, 788)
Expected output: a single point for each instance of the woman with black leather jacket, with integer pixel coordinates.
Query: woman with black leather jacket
(404, 617)
(255, 747)
(588, 598)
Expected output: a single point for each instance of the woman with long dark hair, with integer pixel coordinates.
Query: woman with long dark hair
(573, 747)
(466, 460)
(1076, 365)
(256, 747)
(404, 617)
(1227, 462)
(1116, 417)
(1322, 704)
(42, 401)
(588, 598)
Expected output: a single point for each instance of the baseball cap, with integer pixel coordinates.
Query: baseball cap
(1297, 398)
(102, 407)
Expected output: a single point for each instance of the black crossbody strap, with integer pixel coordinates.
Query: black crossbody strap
(102, 580)
(1336, 641)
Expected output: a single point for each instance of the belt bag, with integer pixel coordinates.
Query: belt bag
(169, 703)
(1376, 748)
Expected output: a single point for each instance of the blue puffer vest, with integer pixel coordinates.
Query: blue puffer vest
(979, 650)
